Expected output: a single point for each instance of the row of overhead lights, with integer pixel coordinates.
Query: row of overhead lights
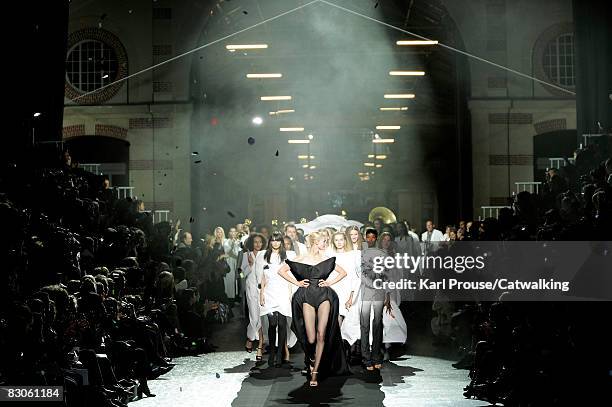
(377, 139)
(308, 165)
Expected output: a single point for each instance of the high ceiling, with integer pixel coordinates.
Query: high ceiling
(335, 65)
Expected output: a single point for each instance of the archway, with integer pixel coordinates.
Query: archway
(111, 153)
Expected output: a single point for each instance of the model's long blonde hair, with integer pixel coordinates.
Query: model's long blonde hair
(313, 238)
(214, 237)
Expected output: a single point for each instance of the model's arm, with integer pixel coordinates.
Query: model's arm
(340, 276)
(262, 299)
(284, 273)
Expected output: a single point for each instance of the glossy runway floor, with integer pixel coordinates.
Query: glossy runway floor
(231, 377)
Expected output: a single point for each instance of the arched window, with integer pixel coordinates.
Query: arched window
(558, 60)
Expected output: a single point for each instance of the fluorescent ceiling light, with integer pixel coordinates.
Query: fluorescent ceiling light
(298, 141)
(312, 167)
(378, 165)
(264, 75)
(417, 42)
(285, 111)
(233, 47)
(399, 96)
(291, 129)
(310, 136)
(276, 98)
(304, 165)
(305, 157)
(407, 73)
(381, 157)
(257, 120)
(385, 109)
(383, 140)
(388, 127)
(370, 155)
(369, 164)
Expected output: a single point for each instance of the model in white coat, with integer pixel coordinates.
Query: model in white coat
(254, 255)
(275, 300)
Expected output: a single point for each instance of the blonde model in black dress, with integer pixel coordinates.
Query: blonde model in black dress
(315, 308)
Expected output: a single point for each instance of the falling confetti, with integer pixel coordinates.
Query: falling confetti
(194, 153)
(164, 175)
(376, 5)
(245, 12)
(218, 375)
(276, 153)
(191, 220)
(251, 140)
(231, 214)
(197, 162)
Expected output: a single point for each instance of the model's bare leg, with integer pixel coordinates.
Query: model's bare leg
(322, 318)
(260, 345)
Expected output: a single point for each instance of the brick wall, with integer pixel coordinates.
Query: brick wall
(147, 123)
(111, 131)
(514, 118)
(516, 159)
(73, 130)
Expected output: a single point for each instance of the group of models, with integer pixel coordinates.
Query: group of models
(319, 294)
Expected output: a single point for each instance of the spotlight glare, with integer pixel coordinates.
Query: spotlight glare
(257, 120)
(265, 98)
(234, 47)
(310, 136)
(37, 114)
(399, 96)
(264, 75)
(417, 42)
(407, 73)
(387, 109)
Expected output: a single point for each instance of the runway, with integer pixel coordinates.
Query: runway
(231, 377)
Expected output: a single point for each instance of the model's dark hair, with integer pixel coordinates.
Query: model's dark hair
(276, 237)
(249, 243)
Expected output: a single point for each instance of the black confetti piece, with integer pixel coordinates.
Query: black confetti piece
(218, 375)
(276, 153)
(164, 175)
(245, 12)
(251, 140)
(194, 153)
(376, 5)
(197, 162)
(191, 220)
(231, 214)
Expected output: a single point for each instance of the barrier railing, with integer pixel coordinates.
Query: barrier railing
(528, 186)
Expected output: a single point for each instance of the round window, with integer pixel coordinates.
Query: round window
(95, 63)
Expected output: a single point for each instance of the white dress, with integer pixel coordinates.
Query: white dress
(277, 294)
(252, 293)
(351, 329)
(351, 263)
(231, 248)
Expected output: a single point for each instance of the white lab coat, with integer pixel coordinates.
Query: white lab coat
(277, 296)
(231, 249)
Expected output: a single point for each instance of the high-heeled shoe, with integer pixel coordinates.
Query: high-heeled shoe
(259, 355)
(249, 349)
(313, 380)
(143, 388)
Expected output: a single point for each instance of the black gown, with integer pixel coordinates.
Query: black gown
(333, 360)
